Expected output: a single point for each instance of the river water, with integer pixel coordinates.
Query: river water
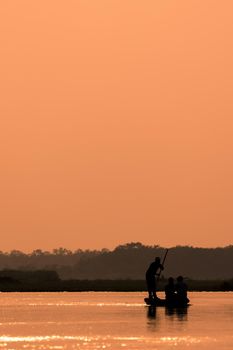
(113, 321)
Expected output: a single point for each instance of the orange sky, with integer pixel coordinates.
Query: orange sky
(116, 123)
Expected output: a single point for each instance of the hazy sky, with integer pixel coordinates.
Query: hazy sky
(116, 123)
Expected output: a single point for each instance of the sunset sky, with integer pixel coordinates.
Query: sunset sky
(116, 123)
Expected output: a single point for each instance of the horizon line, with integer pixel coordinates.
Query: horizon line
(117, 246)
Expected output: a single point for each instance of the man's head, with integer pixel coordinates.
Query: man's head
(170, 280)
(180, 279)
(157, 259)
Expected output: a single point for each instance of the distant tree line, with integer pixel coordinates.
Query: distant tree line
(127, 261)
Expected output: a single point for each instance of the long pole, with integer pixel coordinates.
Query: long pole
(165, 255)
(163, 262)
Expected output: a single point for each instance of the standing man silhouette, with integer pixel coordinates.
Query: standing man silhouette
(151, 273)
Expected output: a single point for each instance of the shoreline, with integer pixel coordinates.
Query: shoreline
(13, 285)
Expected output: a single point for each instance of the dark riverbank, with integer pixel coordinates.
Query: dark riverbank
(128, 261)
(48, 281)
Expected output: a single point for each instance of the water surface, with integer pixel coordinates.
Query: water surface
(113, 321)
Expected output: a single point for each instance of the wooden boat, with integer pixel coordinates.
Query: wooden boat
(163, 302)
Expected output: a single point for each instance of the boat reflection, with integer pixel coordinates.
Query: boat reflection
(180, 312)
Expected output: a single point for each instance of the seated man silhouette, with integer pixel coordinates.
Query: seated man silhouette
(170, 291)
(181, 291)
(151, 273)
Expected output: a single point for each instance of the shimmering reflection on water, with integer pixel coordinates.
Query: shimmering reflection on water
(113, 321)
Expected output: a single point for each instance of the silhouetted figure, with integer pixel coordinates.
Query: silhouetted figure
(181, 291)
(151, 274)
(170, 291)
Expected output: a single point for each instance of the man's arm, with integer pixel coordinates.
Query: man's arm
(161, 269)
